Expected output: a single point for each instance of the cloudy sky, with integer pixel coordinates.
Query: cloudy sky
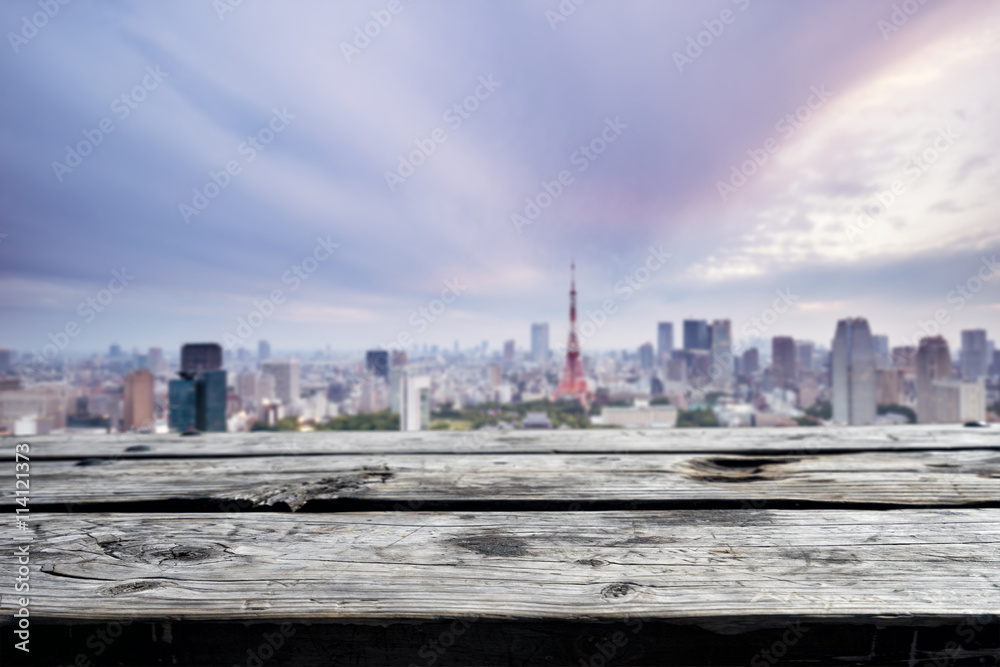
(842, 104)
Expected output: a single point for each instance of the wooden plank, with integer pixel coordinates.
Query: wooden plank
(928, 478)
(751, 440)
(718, 567)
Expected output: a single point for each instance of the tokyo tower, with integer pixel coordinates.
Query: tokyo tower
(573, 384)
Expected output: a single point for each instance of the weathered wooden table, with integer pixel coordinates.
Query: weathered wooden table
(868, 546)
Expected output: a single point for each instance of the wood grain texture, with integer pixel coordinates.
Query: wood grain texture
(746, 440)
(919, 478)
(738, 567)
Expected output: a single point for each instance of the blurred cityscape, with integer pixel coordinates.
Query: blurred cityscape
(691, 376)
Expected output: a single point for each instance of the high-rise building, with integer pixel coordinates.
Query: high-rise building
(905, 358)
(646, 356)
(750, 362)
(933, 364)
(4, 360)
(852, 370)
(198, 402)
(183, 405)
(540, 342)
(808, 390)
(115, 351)
(890, 386)
(804, 350)
(696, 335)
(287, 374)
(574, 383)
(247, 390)
(263, 351)
(211, 388)
(138, 400)
(415, 407)
(377, 363)
(397, 371)
(975, 361)
(664, 339)
(783, 362)
(722, 366)
(201, 357)
(508, 351)
(156, 365)
(882, 356)
(958, 401)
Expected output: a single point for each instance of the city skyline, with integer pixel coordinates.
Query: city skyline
(109, 246)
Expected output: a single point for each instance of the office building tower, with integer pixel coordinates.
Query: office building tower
(696, 335)
(676, 368)
(4, 360)
(890, 386)
(266, 388)
(646, 356)
(540, 342)
(246, 389)
(211, 414)
(115, 351)
(905, 358)
(201, 357)
(804, 351)
(722, 367)
(808, 390)
(182, 396)
(508, 351)
(882, 355)
(958, 401)
(287, 374)
(852, 370)
(664, 339)
(783, 362)
(156, 365)
(263, 351)
(975, 358)
(415, 408)
(377, 363)
(138, 401)
(933, 364)
(495, 373)
(751, 362)
(197, 402)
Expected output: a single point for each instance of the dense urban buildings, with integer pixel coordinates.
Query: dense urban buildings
(853, 373)
(774, 381)
(933, 364)
(287, 374)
